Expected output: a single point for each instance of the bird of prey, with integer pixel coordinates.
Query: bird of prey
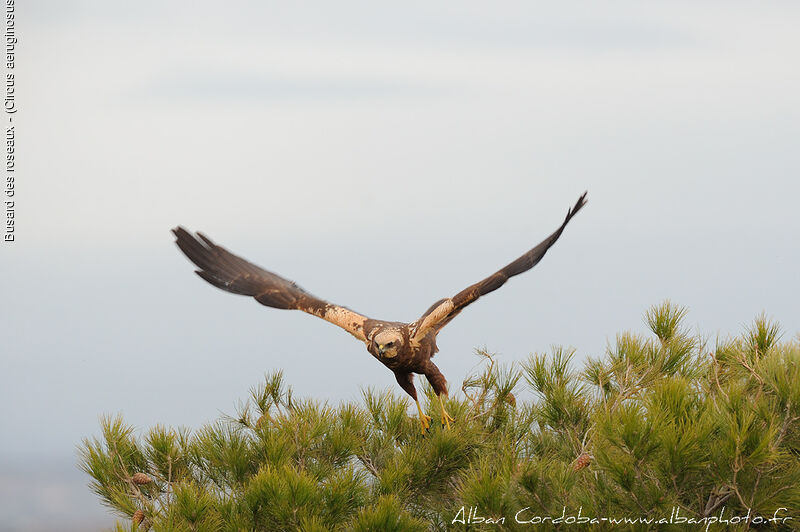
(404, 348)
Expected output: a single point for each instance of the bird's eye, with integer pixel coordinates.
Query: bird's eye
(389, 344)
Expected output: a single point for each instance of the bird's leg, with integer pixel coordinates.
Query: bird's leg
(439, 385)
(406, 381)
(446, 418)
(424, 420)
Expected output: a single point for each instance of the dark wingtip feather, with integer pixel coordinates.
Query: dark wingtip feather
(582, 200)
(180, 232)
(578, 206)
(211, 279)
(183, 237)
(201, 255)
(207, 240)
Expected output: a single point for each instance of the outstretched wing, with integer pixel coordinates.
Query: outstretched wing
(446, 309)
(229, 272)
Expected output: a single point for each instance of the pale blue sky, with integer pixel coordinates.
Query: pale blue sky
(382, 157)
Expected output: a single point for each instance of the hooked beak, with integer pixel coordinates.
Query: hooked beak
(381, 349)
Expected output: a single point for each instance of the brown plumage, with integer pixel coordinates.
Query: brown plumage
(405, 348)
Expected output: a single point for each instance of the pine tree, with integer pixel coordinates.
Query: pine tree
(658, 425)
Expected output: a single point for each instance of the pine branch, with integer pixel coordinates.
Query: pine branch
(654, 424)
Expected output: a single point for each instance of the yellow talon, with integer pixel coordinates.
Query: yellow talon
(446, 418)
(424, 420)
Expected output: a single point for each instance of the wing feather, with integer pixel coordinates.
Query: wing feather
(446, 309)
(234, 274)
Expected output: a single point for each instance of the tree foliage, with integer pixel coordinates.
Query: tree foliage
(658, 423)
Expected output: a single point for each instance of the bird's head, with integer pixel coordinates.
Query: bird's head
(388, 343)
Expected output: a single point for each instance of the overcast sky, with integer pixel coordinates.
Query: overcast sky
(383, 157)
